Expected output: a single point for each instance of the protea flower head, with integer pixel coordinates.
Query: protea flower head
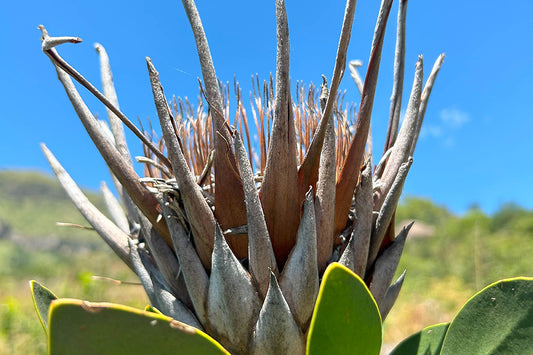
(237, 251)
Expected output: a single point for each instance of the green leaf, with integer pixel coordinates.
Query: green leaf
(346, 319)
(428, 341)
(497, 320)
(42, 297)
(80, 327)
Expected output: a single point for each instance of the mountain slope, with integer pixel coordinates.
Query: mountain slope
(32, 202)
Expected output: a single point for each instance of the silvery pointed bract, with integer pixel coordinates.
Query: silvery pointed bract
(235, 242)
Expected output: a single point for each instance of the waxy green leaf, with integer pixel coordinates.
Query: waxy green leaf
(80, 327)
(497, 320)
(346, 318)
(428, 341)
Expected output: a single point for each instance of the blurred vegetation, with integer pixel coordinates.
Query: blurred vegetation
(462, 255)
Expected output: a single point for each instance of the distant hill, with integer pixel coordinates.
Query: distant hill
(32, 202)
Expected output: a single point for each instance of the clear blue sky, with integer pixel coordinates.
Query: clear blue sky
(475, 147)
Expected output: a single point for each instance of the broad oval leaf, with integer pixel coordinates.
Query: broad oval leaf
(346, 319)
(80, 327)
(42, 297)
(496, 320)
(428, 341)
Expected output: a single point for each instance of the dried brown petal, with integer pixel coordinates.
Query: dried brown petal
(279, 190)
(230, 210)
(350, 170)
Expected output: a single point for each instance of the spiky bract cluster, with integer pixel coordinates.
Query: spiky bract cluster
(240, 253)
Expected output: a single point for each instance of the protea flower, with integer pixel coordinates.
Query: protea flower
(236, 251)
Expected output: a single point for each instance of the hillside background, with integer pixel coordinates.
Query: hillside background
(448, 258)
